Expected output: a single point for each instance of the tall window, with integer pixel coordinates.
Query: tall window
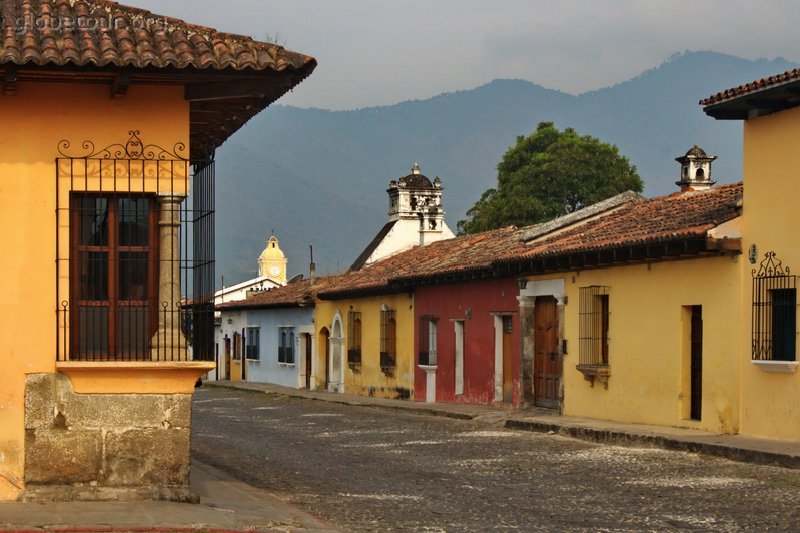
(113, 243)
(774, 329)
(252, 346)
(388, 338)
(354, 338)
(593, 326)
(286, 345)
(427, 340)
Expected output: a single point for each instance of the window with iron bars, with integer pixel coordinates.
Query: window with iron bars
(286, 345)
(427, 340)
(111, 206)
(774, 327)
(593, 325)
(252, 343)
(354, 338)
(388, 354)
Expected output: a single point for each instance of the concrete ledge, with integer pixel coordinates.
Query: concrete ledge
(667, 442)
(134, 377)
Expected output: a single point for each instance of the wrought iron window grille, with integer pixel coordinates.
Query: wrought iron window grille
(774, 316)
(593, 325)
(134, 253)
(388, 351)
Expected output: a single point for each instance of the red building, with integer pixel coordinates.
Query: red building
(468, 342)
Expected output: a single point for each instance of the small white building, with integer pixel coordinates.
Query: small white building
(416, 218)
(271, 274)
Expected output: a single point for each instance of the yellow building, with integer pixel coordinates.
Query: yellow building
(108, 126)
(365, 334)
(767, 355)
(645, 298)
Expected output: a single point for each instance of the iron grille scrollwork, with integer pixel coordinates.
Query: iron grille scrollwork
(135, 252)
(774, 317)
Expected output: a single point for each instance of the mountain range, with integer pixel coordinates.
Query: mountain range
(319, 177)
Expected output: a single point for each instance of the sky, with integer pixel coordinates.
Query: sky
(380, 52)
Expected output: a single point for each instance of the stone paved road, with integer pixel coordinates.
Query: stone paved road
(369, 469)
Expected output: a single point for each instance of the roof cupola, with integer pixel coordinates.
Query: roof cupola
(695, 170)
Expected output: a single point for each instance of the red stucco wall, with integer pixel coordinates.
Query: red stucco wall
(449, 302)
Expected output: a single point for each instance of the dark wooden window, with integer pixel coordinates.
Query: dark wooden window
(388, 338)
(114, 268)
(354, 338)
(286, 345)
(774, 327)
(594, 325)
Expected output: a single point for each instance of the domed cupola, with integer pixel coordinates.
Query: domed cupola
(272, 261)
(695, 170)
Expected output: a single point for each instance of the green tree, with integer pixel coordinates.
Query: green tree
(548, 174)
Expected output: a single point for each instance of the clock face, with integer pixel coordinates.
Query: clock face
(274, 270)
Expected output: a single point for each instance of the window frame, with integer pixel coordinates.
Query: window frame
(286, 337)
(252, 343)
(774, 319)
(388, 338)
(428, 340)
(84, 343)
(593, 328)
(354, 336)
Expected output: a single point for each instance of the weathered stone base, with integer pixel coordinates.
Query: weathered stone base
(50, 493)
(104, 446)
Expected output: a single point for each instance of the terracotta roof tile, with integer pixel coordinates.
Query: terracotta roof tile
(660, 219)
(297, 294)
(746, 88)
(104, 33)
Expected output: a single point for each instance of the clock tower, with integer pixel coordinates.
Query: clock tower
(272, 261)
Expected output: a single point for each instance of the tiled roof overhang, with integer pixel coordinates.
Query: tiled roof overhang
(758, 98)
(227, 78)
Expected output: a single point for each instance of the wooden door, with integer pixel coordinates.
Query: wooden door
(308, 360)
(547, 360)
(508, 366)
(322, 358)
(696, 400)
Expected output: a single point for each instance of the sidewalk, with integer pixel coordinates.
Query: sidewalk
(735, 447)
(226, 505)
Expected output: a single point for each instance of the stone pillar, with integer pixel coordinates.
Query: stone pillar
(168, 343)
(526, 307)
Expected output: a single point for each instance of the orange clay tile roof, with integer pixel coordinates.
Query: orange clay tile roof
(635, 222)
(746, 88)
(102, 33)
(298, 294)
(458, 255)
(661, 219)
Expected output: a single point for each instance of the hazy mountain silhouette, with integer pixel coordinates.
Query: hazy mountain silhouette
(319, 177)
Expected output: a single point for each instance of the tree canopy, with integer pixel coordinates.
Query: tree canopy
(548, 174)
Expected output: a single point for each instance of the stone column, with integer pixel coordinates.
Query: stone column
(168, 343)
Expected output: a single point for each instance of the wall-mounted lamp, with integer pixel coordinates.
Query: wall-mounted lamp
(522, 283)
(230, 321)
(384, 307)
(753, 254)
(468, 313)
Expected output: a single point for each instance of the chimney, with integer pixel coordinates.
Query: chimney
(695, 170)
(312, 267)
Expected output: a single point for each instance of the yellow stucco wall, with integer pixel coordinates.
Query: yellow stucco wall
(370, 380)
(770, 402)
(649, 344)
(34, 121)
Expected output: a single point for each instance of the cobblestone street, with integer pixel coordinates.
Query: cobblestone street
(370, 469)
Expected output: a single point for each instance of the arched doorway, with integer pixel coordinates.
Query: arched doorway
(336, 381)
(322, 373)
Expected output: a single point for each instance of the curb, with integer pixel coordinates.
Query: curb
(333, 399)
(620, 438)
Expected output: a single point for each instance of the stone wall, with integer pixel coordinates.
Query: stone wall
(104, 446)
